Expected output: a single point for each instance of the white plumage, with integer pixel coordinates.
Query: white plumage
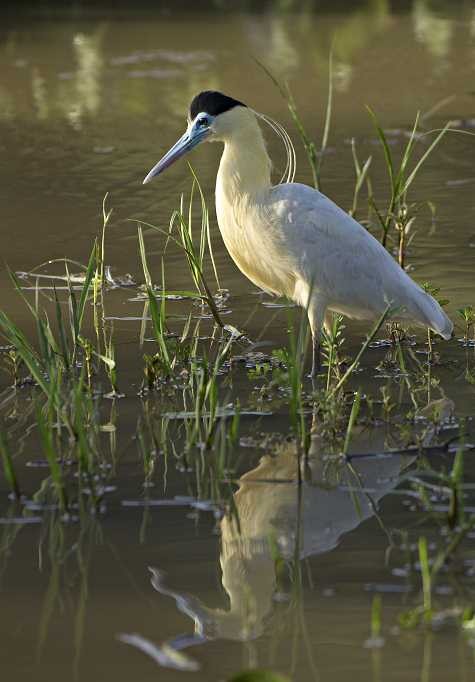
(291, 240)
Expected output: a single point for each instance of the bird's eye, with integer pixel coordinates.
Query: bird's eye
(203, 122)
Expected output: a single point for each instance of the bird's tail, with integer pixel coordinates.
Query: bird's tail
(429, 313)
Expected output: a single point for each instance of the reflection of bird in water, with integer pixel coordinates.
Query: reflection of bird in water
(290, 239)
(272, 519)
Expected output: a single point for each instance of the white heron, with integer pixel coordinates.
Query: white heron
(290, 239)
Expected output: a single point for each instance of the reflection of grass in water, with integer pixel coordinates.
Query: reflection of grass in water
(66, 552)
(439, 555)
(8, 468)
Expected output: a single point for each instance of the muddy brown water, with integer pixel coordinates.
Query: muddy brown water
(89, 100)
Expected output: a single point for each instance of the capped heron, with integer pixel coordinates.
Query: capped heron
(290, 239)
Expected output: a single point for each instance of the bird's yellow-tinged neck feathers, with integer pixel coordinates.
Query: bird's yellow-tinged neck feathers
(245, 167)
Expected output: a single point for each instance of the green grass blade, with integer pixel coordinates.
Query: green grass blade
(205, 212)
(8, 467)
(386, 313)
(63, 344)
(355, 408)
(387, 152)
(209, 297)
(15, 337)
(423, 158)
(328, 116)
(85, 288)
(407, 154)
(45, 429)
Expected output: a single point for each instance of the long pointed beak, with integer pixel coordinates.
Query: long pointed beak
(190, 139)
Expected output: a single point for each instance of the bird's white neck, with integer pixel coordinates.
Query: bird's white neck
(245, 167)
(242, 193)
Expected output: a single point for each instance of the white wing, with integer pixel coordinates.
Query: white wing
(348, 267)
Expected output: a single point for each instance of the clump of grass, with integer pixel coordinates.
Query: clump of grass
(456, 524)
(195, 253)
(332, 349)
(61, 365)
(468, 316)
(203, 390)
(399, 215)
(55, 352)
(158, 314)
(14, 363)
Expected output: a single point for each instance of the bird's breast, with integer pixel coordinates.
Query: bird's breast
(254, 245)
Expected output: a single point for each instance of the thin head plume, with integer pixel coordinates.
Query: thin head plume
(278, 128)
(291, 158)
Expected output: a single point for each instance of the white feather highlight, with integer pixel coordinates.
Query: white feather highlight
(291, 157)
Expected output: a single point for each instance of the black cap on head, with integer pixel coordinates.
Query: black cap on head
(213, 103)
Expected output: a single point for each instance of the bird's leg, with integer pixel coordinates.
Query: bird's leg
(316, 315)
(316, 355)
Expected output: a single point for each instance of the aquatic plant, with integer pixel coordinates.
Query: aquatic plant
(435, 293)
(194, 253)
(468, 316)
(397, 214)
